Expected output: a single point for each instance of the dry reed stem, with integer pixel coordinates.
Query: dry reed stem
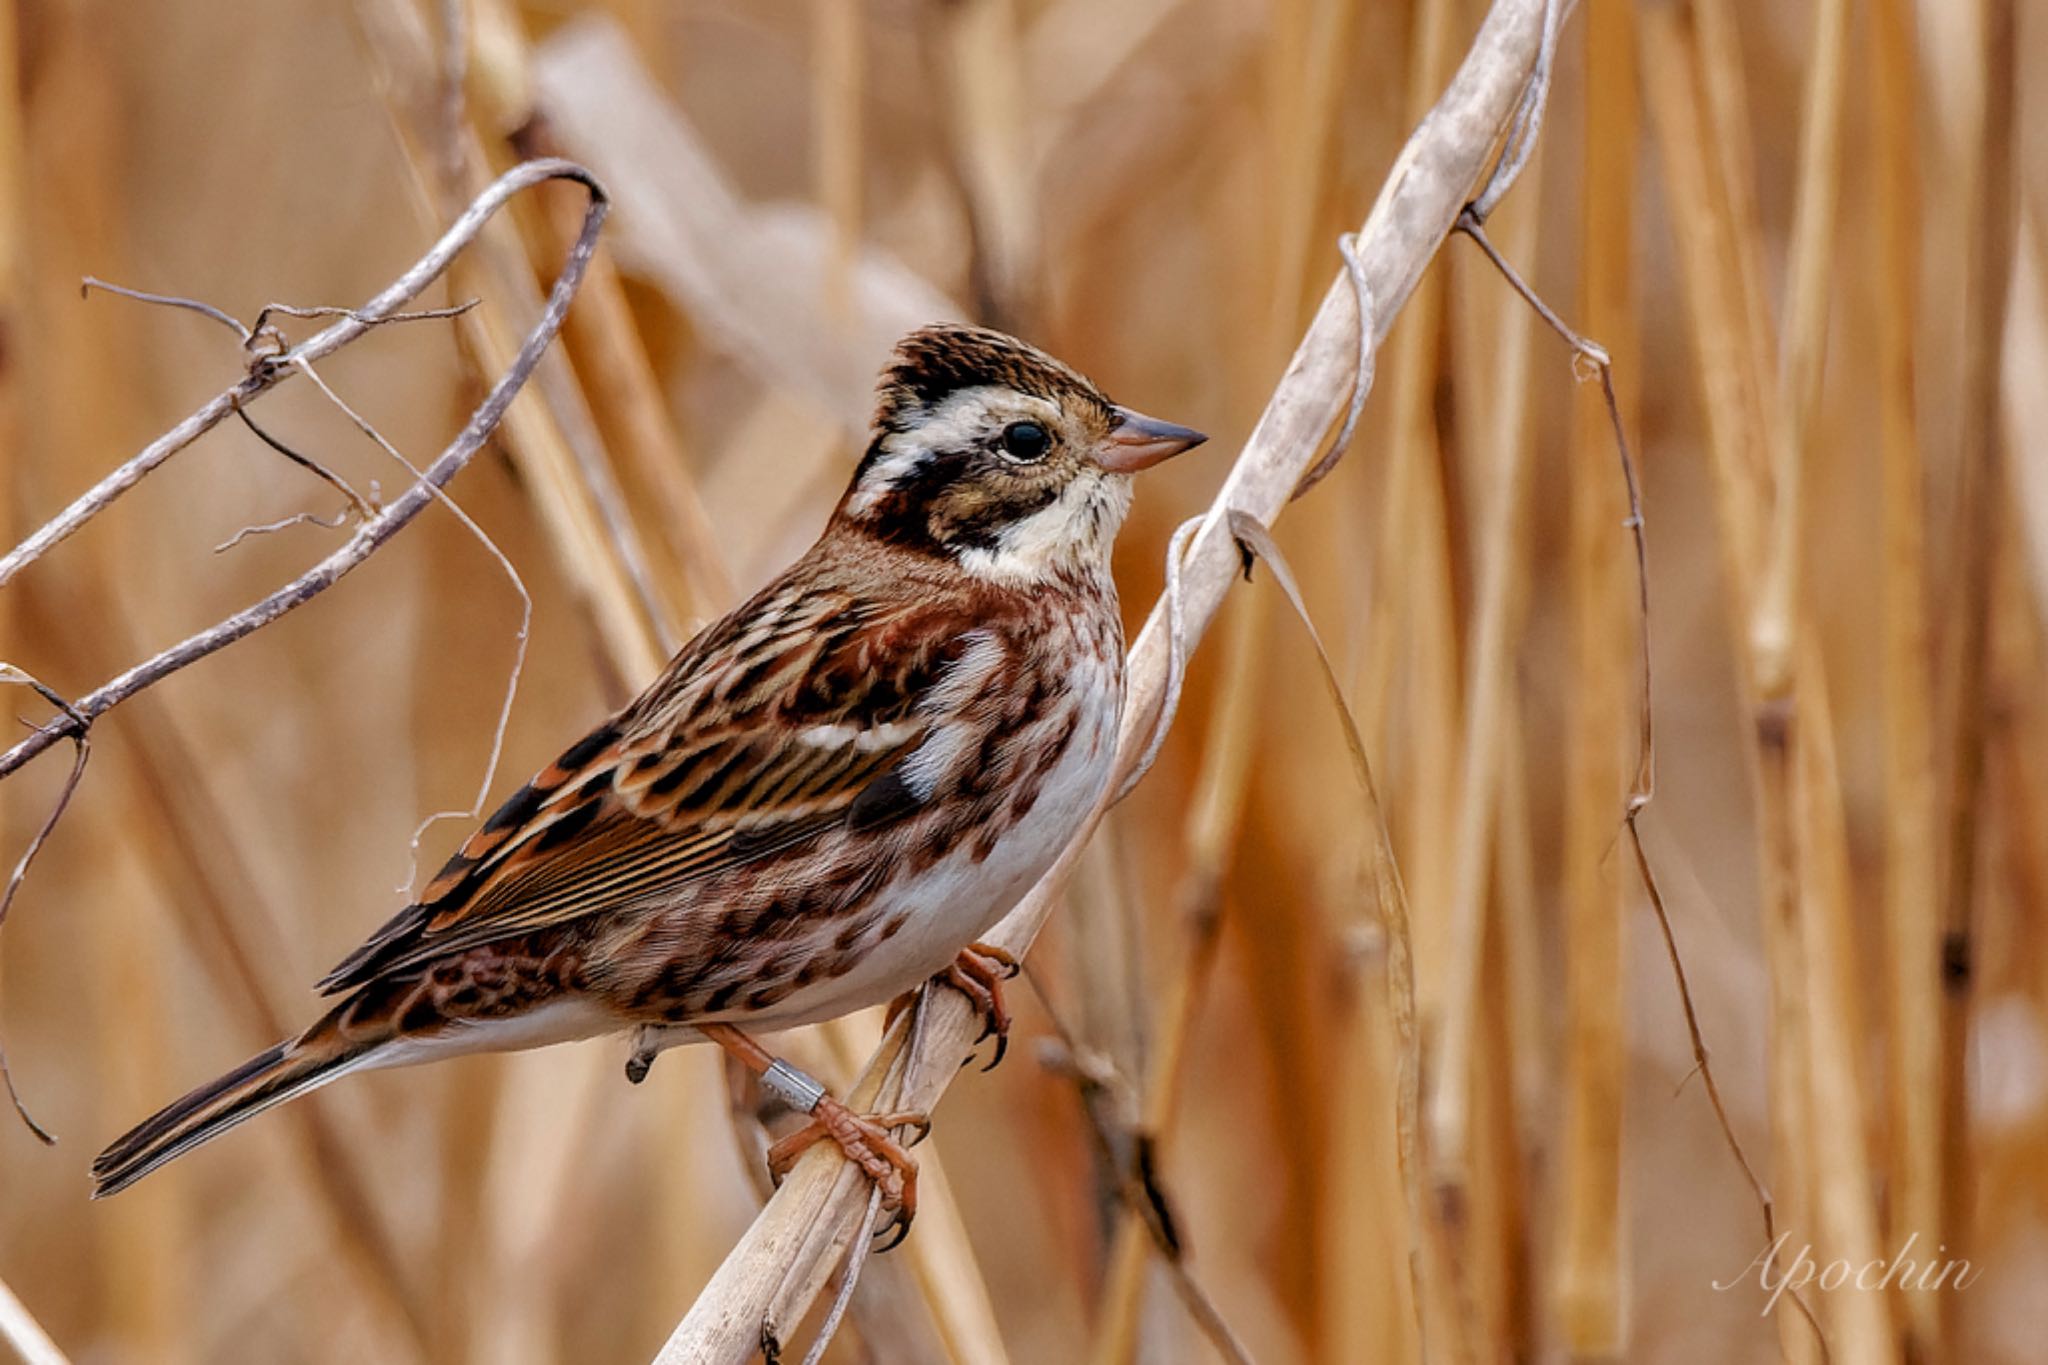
(1843, 1185)
(1718, 72)
(1693, 75)
(1215, 810)
(1911, 869)
(689, 575)
(836, 133)
(554, 443)
(1468, 1144)
(1528, 985)
(1412, 624)
(1500, 533)
(20, 1330)
(1710, 273)
(1724, 232)
(654, 465)
(1588, 1284)
(776, 1263)
(1993, 217)
(987, 130)
(1835, 1090)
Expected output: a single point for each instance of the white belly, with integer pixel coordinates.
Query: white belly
(955, 901)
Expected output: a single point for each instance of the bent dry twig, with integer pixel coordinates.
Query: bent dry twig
(265, 374)
(1471, 223)
(82, 740)
(265, 371)
(777, 1261)
(519, 639)
(268, 372)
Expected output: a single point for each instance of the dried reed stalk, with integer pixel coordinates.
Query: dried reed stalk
(784, 1258)
(1758, 439)
(1588, 1284)
(1912, 996)
(1993, 219)
(23, 1334)
(1463, 1140)
(1414, 643)
(986, 104)
(1837, 1087)
(555, 443)
(836, 37)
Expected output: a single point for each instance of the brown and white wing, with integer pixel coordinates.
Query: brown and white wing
(772, 728)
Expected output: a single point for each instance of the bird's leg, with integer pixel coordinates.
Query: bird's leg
(863, 1138)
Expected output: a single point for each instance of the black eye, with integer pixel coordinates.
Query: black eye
(1025, 441)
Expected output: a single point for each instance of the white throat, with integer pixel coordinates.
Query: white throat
(1070, 535)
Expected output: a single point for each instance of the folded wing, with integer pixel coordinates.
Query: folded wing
(779, 723)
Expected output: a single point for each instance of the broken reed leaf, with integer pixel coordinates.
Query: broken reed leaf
(1390, 898)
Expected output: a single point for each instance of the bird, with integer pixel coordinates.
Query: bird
(824, 801)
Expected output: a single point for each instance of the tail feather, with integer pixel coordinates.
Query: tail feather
(270, 1078)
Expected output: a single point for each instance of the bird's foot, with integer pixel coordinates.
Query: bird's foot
(979, 973)
(866, 1141)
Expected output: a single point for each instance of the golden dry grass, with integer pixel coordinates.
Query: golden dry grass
(1810, 237)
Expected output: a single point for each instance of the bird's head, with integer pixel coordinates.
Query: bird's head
(992, 452)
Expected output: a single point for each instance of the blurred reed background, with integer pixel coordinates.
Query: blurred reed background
(1811, 235)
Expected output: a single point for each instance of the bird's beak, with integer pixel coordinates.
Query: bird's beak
(1139, 442)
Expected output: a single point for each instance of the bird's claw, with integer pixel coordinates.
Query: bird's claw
(866, 1141)
(979, 973)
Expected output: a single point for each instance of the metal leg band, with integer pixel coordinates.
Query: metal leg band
(792, 1086)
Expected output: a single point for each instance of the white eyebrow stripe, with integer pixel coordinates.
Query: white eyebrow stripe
(961, 420)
